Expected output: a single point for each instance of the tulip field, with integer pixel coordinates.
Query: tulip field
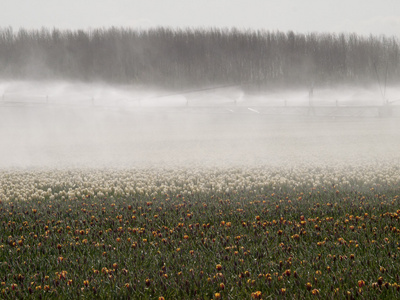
(204, 233)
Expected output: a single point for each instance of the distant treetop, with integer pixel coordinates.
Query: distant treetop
(188, 58)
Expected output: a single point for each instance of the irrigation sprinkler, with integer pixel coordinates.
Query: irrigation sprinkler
(311, 94)
(383, 91)
(253, 110)
(310, 100)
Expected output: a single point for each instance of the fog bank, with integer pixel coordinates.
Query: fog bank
(60, 124)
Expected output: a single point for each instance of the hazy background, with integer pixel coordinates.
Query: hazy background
(55, 112)
(75, 125)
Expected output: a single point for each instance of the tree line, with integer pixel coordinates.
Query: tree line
(186, 58)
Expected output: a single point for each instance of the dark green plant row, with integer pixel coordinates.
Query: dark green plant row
(287, 244)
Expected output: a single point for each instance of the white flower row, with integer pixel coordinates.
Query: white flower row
(17, 185)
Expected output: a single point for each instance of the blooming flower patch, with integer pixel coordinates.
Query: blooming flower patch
(223, 233)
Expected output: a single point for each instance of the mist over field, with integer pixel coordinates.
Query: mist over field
(123, 98)
(65, 124)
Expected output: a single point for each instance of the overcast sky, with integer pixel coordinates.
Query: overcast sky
(360, 16)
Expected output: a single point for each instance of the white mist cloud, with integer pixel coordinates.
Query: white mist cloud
(125, 126)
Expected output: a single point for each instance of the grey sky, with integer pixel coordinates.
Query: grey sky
(360, 16)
